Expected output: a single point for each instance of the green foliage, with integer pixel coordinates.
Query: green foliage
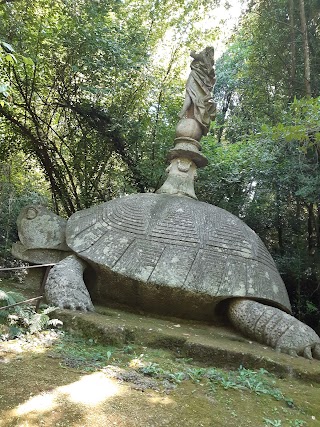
(21, 184)
(297, 423)
(262, 71)
(77, 352)
(271, 179)
(22, 319)
(274, 423)
(96, 111)
(8, 59)
(258, 382)
(8, 298)
(278, 423)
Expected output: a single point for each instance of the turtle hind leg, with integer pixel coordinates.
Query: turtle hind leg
(65, 287)
(271, 326)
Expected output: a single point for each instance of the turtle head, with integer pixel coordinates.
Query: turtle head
(39, 228)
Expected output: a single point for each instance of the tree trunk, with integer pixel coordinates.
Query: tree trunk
(293, 50)
(318, 226)
(225, 109)
(279, 221)
(310, 228)
(306, 50)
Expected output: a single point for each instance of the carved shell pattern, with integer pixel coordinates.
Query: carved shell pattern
(177, 242)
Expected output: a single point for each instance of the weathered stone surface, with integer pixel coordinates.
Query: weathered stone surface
(180, 180)
(218, 346)
(273, 327)
(65, 287)
(189, 128)
(198, 102)
(38, 256)
(168, 242)
(40, 228)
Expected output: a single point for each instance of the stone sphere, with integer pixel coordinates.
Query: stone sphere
(189, 128)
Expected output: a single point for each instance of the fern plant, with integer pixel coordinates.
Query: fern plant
(23, 319)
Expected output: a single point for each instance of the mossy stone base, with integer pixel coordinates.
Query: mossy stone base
(212, 345)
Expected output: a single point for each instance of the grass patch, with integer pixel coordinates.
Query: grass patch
(259, 382)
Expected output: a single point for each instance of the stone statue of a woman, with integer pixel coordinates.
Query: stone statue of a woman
(198, 103)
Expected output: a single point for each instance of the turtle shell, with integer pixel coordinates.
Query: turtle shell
(160, 251)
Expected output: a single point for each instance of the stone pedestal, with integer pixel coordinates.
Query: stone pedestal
(184, 159)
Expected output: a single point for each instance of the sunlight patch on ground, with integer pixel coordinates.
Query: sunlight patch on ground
(136, 362)
(159, 400)
(27, 344)
(41, 403)
(90, 390)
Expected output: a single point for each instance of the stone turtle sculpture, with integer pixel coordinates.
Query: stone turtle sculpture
(171, 255)
(167, 252)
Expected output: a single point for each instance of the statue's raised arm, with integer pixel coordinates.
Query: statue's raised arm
(198, 103)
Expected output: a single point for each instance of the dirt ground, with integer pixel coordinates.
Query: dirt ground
(40, 387)
(132, 374)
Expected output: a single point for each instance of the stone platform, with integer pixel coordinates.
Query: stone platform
(216, 346)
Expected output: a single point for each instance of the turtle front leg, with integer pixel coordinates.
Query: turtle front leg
(271, 326)
(65, 287)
